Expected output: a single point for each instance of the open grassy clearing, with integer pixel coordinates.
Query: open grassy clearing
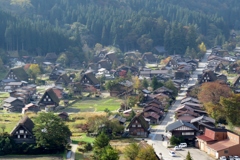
(3, 96)
(9, 120)
(95, 105)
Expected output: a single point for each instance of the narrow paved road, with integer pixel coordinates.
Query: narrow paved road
(155, 138)
(74, 148)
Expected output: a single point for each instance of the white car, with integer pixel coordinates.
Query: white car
(223, 158)
(236, 158)
(172, 153)
(177, 148)
(230, 157)
(183, 145)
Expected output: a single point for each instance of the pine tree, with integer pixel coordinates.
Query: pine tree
(189, 156)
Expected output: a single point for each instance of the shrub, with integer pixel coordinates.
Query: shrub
(80, 149)
(82, 143)
(88, 147)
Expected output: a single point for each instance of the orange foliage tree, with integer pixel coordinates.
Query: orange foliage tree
(210, 94)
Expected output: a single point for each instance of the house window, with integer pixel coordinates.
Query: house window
(133, 125)
(225, 151)
(17, 132)
(187, 133)
(24, 136)
(87, 81)
(46, 96)
(21, 131)
(44, 99)
(18, 136)
(138, 133)
(139, 125)
(26, 132)
(49, 100)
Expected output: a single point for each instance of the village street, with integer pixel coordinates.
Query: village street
(155, 138)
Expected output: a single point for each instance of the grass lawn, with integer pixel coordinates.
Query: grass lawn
(10, 120)
(82, 137)
(95, 104)
(3, 96)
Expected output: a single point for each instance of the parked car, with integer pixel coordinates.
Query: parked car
(223, 158)
(183, 145)
(172, 153)
(177, 148)
(236, 158)
(230, 157)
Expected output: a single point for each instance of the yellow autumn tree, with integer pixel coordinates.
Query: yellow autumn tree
(136, 83)
(34, 70)
(202, 48)
(165, 61)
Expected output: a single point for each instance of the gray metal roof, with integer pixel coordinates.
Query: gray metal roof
(178, 124)
(203, 118)
(10, 99)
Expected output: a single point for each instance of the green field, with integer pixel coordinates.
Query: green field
(9, 120)
(82, 137)
(95, 105)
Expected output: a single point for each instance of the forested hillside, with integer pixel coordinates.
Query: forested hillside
(54, 25)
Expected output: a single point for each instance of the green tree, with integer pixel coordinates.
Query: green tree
(109, 154)
(189, 156)
(101, 141)
(155, 84)
(170, 85)
(114, 65)
(3, 127)
(6, 143)
(174, 140)
(145, 83)
(147, 153)
(63, 59)
(131, 151)
(231, 109)
(50, 131)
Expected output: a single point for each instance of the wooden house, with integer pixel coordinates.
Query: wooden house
(207, 76)
(104, 64)
(121, 119)
(63, 115)
(90, 79)
(13, 104)
(139, 127)
(49, 98)
(218, 142)
(121, 88)
(149, 57)
(76, 88)
(31, 108)
(18, 74)
(23, 131)
(56, 72)
(236, 82)
(111, 58)
(153, 117)
(51, 57)
(203, 122)
(182, 129)
(63, 80)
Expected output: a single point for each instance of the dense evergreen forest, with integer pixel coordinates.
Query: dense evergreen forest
(41, 26)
